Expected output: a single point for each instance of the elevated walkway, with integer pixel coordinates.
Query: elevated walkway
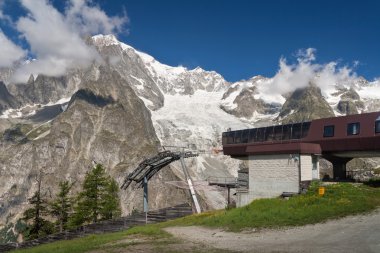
(227, 182)
(230, 182)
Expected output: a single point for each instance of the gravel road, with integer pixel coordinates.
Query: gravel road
(359, 233)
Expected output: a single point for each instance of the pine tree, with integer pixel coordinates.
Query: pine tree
(111, 202)
(37, 225)
(60, 208)
(98, 200)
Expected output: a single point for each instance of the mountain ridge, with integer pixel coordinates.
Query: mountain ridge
(125, 107)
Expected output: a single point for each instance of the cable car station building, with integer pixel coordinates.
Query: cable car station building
(285, 158)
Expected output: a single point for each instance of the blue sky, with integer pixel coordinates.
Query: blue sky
(240, 39)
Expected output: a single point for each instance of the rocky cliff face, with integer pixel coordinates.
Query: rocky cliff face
(245, 100)
(104, 123)
(350, 102)
(7, 101)
(305, 105)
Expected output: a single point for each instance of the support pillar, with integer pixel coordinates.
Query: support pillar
(228, 197)
(339, 167)
(191, 186)
(146, 204)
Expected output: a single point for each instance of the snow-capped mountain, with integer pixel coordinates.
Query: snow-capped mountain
(127, 105)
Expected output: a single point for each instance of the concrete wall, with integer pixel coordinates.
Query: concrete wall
(306, 168)
(315, 169)
(270, 176)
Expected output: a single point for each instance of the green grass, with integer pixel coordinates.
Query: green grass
(339, 200)
(93, 242)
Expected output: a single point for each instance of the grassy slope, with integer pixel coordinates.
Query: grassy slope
(95, 241)
(340, 200)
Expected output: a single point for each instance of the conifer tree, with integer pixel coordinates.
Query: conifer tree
(111, 202)
(98, 199)
(37, 225)
(60, 208)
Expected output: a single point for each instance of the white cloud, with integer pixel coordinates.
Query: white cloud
(293, 76)
(90, 19)
(306, 55)
(56, 39)
(55, 45)
(9, 52)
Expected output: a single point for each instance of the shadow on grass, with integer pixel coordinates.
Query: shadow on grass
(373, 183)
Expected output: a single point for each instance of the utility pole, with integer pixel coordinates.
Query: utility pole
(146, 203)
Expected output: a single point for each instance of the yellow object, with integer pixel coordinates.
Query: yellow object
(321, 191)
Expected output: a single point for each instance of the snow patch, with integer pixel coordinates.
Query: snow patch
(141, 81)
(31, 109)
(371, 91)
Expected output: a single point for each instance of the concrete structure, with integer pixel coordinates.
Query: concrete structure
(271, 175)
(284, 158)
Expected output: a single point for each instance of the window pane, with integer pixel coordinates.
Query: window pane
(260, 134)
(230, 137)
(224, 138)
(244, 136)
(269, 134)
(286, 132)
(277, 133)
(252, 134)
(353, 129)
(305, 129)
(238, 137)
(296, 131)
(377, 126)
(328, 131)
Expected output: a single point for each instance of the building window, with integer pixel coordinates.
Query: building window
(277, 133)
(252, 135)
(230, 137)
(305, 129)
(237, 137)
(260, 135)
(328, 131)
(296, 131)
(377, 126)
(269, 134)
(353, 128)
(244, 136)
(287, 132)
(224, 138)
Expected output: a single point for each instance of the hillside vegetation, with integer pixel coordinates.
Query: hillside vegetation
(340, 199)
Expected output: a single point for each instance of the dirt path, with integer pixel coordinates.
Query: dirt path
(351, 234)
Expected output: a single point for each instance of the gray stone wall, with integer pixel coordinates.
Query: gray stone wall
(271, 175)
(306, 168)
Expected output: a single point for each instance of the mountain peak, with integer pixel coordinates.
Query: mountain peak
(110, 38)
(101, 40)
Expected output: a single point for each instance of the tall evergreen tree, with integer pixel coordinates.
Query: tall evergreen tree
(111, 201)
(60, 208)
(37, 225)
(98, 199)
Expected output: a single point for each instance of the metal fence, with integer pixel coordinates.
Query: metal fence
(119, 224)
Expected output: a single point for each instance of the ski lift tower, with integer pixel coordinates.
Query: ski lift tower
(149, 167)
